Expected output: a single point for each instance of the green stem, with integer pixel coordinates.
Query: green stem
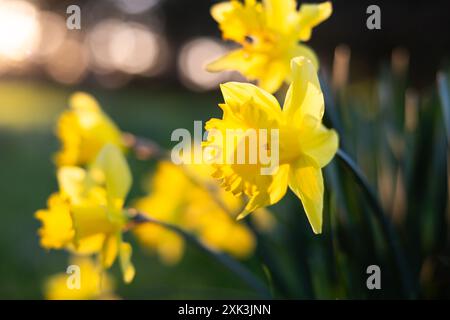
(444, 95)
(233, 265)
(386, 225)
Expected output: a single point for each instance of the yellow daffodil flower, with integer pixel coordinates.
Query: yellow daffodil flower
(174, 198)
(93, 283)
(87, 215)
(269, 33)
(305, 145)
(83, 131)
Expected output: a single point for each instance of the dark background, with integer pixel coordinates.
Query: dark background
(421, 27)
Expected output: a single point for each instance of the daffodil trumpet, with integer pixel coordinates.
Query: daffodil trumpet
(305, 144)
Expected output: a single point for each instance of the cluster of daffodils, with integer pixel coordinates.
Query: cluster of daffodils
(176, 195)
(88, 216)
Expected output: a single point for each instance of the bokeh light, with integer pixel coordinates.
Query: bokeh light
(131, 48)
(135, 6)
(69, 63)
(19, 29)
(53, 33)
(194, 57)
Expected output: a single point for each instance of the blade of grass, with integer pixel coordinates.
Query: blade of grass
(233, 265)
(388, 230)
(444, 95)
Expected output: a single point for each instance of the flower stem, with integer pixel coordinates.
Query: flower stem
(144, 148)
(386, 225)
(233, 265)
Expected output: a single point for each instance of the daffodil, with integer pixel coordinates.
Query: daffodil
(86, 216)
(93, 283)
(305, 145)
(176, 199)
(83, 130)
(270, 33)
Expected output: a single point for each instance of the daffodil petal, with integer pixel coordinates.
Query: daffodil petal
(278, 12)
(249, 65)
(306, 182)
(83, 130)
(94, 284)
(57, 229)
(71, 182)
(234, 60)
(320, 145)
(275, 188)
(91, 219)
(237, 19)
(305, 51)
(237, 94)
(310, 15)
(127, 267)
(220, 10)
(88, 245)
(274, 76)
(110, 250)
(82, 101)
(304, 102)
(116, 173)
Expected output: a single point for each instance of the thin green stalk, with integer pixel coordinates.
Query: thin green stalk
(386, 225)
(233, 265)
(444, 95)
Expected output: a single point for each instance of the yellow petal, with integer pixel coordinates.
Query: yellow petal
(269, 190)
(168, 245)
(83, 130)
(278, 12)
(127, 267)
(93, 283)
(234, 60)
(251, 65)
(237, 20)
(71, 181)
(305, 51)
(114, 169)
(306, 182)
(320, 145)
(91, 219)
(239, 241)
(274, 76)
(69, 133)
(88, 245)
(82, 101)
(310, 15)
(304, 103)
(236, 94)
(220, 11)
(57, 229)
(110, 250)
